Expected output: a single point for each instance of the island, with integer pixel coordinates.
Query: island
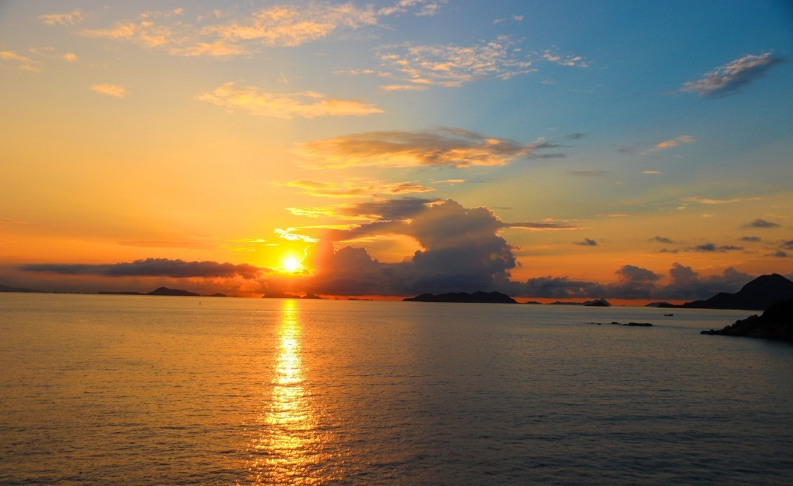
(464, 297)
(775, 323)
(756, 295)
(173, 292)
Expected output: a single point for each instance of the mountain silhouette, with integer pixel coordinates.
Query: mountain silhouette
(464, 297)
(756, 295)
(775, 323)
(173, 292)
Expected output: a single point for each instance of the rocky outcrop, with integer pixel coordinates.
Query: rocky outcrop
(464, 297)
(775, 323)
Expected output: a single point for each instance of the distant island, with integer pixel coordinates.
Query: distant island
(6, 288)
(755, 295)
(173, 292)
(775, 323)
(464, 297)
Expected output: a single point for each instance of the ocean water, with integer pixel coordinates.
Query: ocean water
(159, 390)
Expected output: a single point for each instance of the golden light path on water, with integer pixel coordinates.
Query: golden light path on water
(290, 447)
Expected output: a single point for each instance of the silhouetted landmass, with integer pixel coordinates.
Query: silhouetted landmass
(173, 292)
(353, 298)
(465, 297)
(597, 303)
(566, 303)
(6, 288)
(756, 295)
(217, 294)
(662, 305)
(775, 323)
(110, 292)
(276, 294)
(312, 297)
(533, 302)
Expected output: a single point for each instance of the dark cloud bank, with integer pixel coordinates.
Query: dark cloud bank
(462, 250)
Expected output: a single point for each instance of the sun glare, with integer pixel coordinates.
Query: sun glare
(292, 265)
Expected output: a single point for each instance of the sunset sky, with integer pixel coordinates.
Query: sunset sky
(546, 149)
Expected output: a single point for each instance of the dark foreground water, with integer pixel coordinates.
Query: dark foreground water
(159, 390)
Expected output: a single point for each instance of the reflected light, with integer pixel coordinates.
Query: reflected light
(289, 449)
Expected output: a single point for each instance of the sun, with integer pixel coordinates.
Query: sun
(292, 265)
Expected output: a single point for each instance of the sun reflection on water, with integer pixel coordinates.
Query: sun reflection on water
(289, 449)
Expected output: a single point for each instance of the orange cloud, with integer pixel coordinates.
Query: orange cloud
(448, 147)
(358, 188)
(110, 90)
(674, 142)
(306, 104)
(12, 60)
(66, 19)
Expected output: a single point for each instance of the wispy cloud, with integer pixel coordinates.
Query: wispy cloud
(65, 19)
(307, 104)
(661, 239)
(226, 34)
(587, 242)
(714, 202)
(671, 143)
(564, 60)
(358, 188)
(652, 172)
(12, 60)
(403, 87)
(729, 78)
(711, 247)
(114, 90)
(761, 223)
(449, 147)
(450, 65)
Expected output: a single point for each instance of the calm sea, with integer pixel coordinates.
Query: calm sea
(161, 390)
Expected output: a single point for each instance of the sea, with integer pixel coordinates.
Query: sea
(134, 390)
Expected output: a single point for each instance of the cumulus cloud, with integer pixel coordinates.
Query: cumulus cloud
(686, 284)
(461, 249)
(114, 90)
(450, 65)
(357, 188)
(306, 104)
(151, 267)
(761, 223)
(731, 77)
(12, 60)
(449, 147)
(671, 143)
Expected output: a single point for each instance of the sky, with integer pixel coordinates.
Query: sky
(551, 150)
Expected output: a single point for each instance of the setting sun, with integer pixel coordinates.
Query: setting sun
(292, 265)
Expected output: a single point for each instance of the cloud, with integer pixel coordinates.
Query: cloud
(661, 239)
(12, 60)
(163, 244)
(151, 267)
(569, 61)
(114, 90)
(358, 188)
(451, 65)
(445, 147)
(750, 238)
(306, 104)
(787, 245)
(226, 34)
(710, 247)
(761, 223)
(731, 77)
(587, 242)
(403, 87)
(686, 284)
(652, 172)
(66, 19)
(706, 201)
(671, 143)
(779, 254)
(460, 248)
